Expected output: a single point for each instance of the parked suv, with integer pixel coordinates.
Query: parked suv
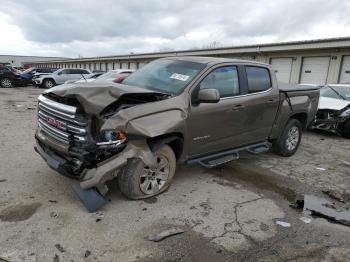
(60, 76)
(175, 110)
(27, 75)
(9, 77)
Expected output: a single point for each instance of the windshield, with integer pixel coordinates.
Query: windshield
(166, 76)
(342, 91)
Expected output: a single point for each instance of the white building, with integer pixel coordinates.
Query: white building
(18, 60)
(313, 61)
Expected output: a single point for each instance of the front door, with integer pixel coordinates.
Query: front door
(213, 127)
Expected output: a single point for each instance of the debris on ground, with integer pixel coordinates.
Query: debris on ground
(321, 168)
(166, 233)
(99, 216)
(56, 258)
(3, 180)
(52, 201)
(299, 203)
(306, 220)
(345, 163)
(324, 208)
(282, 223)
(341, 196)
(60, 248)
(53, 214)
(87, 253)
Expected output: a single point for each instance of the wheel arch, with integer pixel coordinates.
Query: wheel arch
(174, 140)
(48, 78)
(301, 117)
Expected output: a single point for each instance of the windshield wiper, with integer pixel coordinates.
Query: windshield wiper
(84, 77)
(335, 91)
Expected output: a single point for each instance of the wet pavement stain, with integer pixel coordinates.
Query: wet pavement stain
(18, 212)
(250, 175)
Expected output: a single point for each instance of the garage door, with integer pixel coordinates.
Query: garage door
(345, 71)
(133, 65)
(315, 70)
(141, 64)
(283, 68)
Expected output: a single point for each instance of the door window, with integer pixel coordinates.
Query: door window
(224, 79)
(258, 79)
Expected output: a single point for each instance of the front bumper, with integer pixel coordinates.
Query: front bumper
(105, 170)
(37, 81)
(54, 161)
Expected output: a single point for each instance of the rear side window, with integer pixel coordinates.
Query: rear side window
(224, 79)
(258, 79)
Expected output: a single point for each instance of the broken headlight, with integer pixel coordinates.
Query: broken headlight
(111, 137)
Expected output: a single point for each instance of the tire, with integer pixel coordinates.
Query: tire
(48, 83)
(287, 144)
(6, 83)
(346, 129)
(136, 180)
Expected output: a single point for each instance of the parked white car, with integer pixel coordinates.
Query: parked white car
(60, 77)
(333, 113)
(85, 79)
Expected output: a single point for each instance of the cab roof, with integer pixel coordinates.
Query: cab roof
(212, 60)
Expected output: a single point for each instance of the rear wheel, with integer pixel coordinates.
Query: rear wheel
(288, 143)
(48, 83)
(346, 129)
(137, 180)
(6, 83)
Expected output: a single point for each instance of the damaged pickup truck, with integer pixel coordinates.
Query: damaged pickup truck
(184, 109)
(333, 113)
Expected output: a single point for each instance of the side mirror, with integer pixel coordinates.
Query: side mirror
(208, 96)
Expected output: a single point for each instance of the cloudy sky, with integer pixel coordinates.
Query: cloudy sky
(86, 28)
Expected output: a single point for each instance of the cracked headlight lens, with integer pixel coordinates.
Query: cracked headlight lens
(111, 137)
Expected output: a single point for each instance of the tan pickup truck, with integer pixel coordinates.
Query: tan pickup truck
(180, 109)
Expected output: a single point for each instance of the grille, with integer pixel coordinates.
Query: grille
(60, 122)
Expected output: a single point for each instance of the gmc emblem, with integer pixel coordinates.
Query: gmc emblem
(56, 123)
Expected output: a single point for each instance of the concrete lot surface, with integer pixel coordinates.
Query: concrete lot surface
(229, 213)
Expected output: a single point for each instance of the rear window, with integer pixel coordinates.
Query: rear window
(258, 79)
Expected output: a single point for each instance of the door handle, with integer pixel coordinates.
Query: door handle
(237, 107)
(271, 101)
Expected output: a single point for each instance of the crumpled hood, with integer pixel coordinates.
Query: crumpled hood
(96, 97)
(332, 103)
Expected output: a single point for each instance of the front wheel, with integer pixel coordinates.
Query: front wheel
(48, 83)
(137, 180)
(288, 143)
(6, 83)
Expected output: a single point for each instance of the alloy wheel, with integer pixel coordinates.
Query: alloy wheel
(153, 180)
(292, 138)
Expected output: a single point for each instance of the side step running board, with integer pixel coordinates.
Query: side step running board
(212, 162)
(229, 155)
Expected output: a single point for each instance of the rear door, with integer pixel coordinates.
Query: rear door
(259, 104)
(62, 76)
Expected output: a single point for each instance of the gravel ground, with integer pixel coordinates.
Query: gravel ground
(228, 213)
